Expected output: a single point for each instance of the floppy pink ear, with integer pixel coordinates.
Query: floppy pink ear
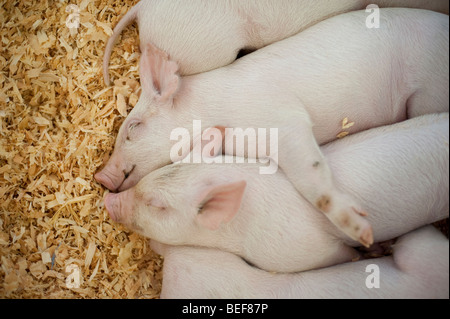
(158, 73)
(221, 204)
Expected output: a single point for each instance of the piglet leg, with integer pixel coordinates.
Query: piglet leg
(305, 166)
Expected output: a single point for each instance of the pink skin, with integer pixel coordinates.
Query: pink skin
(117, 204)
(309, 94)
(112, 205)
(188, 204)
(161, 35)
(223, 28)
(419, 268)
(109, 177)
(114, 177)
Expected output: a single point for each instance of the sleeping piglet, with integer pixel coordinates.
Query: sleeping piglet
(203, 35)
(305, 86)
(419, 268)
(401, 172)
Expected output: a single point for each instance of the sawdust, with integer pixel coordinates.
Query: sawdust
(58, 123)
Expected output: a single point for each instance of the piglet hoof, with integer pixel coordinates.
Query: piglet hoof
(347, 216)
(362, 228)
(366, 237)
(357, 228)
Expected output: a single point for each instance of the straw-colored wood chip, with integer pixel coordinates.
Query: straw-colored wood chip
(58, 123)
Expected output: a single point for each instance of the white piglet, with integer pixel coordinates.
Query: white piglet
(306, 86)
(202, 35)
(419, 268)
(263, 219)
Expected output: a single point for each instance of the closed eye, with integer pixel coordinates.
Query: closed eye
(131, 127)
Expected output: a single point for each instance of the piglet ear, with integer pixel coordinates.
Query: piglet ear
(158, 74)
(220, 205)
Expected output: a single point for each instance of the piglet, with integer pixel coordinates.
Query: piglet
(263, 219)
(337, 77)
(419, 268)
(203, 35)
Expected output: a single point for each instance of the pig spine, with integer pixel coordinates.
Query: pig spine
(203, 35)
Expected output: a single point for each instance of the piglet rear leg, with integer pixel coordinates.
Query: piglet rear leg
(305, 166)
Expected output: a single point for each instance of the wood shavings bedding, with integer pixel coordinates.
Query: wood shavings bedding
(58, 123)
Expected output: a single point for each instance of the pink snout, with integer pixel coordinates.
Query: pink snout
(120, 206)
(112, 175)
(103, 178)
(112, 205)
(117, 179)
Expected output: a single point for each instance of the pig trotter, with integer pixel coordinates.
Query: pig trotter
(366, 237)
(346, 217)
(317, 184)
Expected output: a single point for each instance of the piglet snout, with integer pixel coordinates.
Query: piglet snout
(112, 205)
(120, 206)
(113, 174)
(104, 179)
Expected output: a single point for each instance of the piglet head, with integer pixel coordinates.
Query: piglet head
(143, 143)
(172, 208)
